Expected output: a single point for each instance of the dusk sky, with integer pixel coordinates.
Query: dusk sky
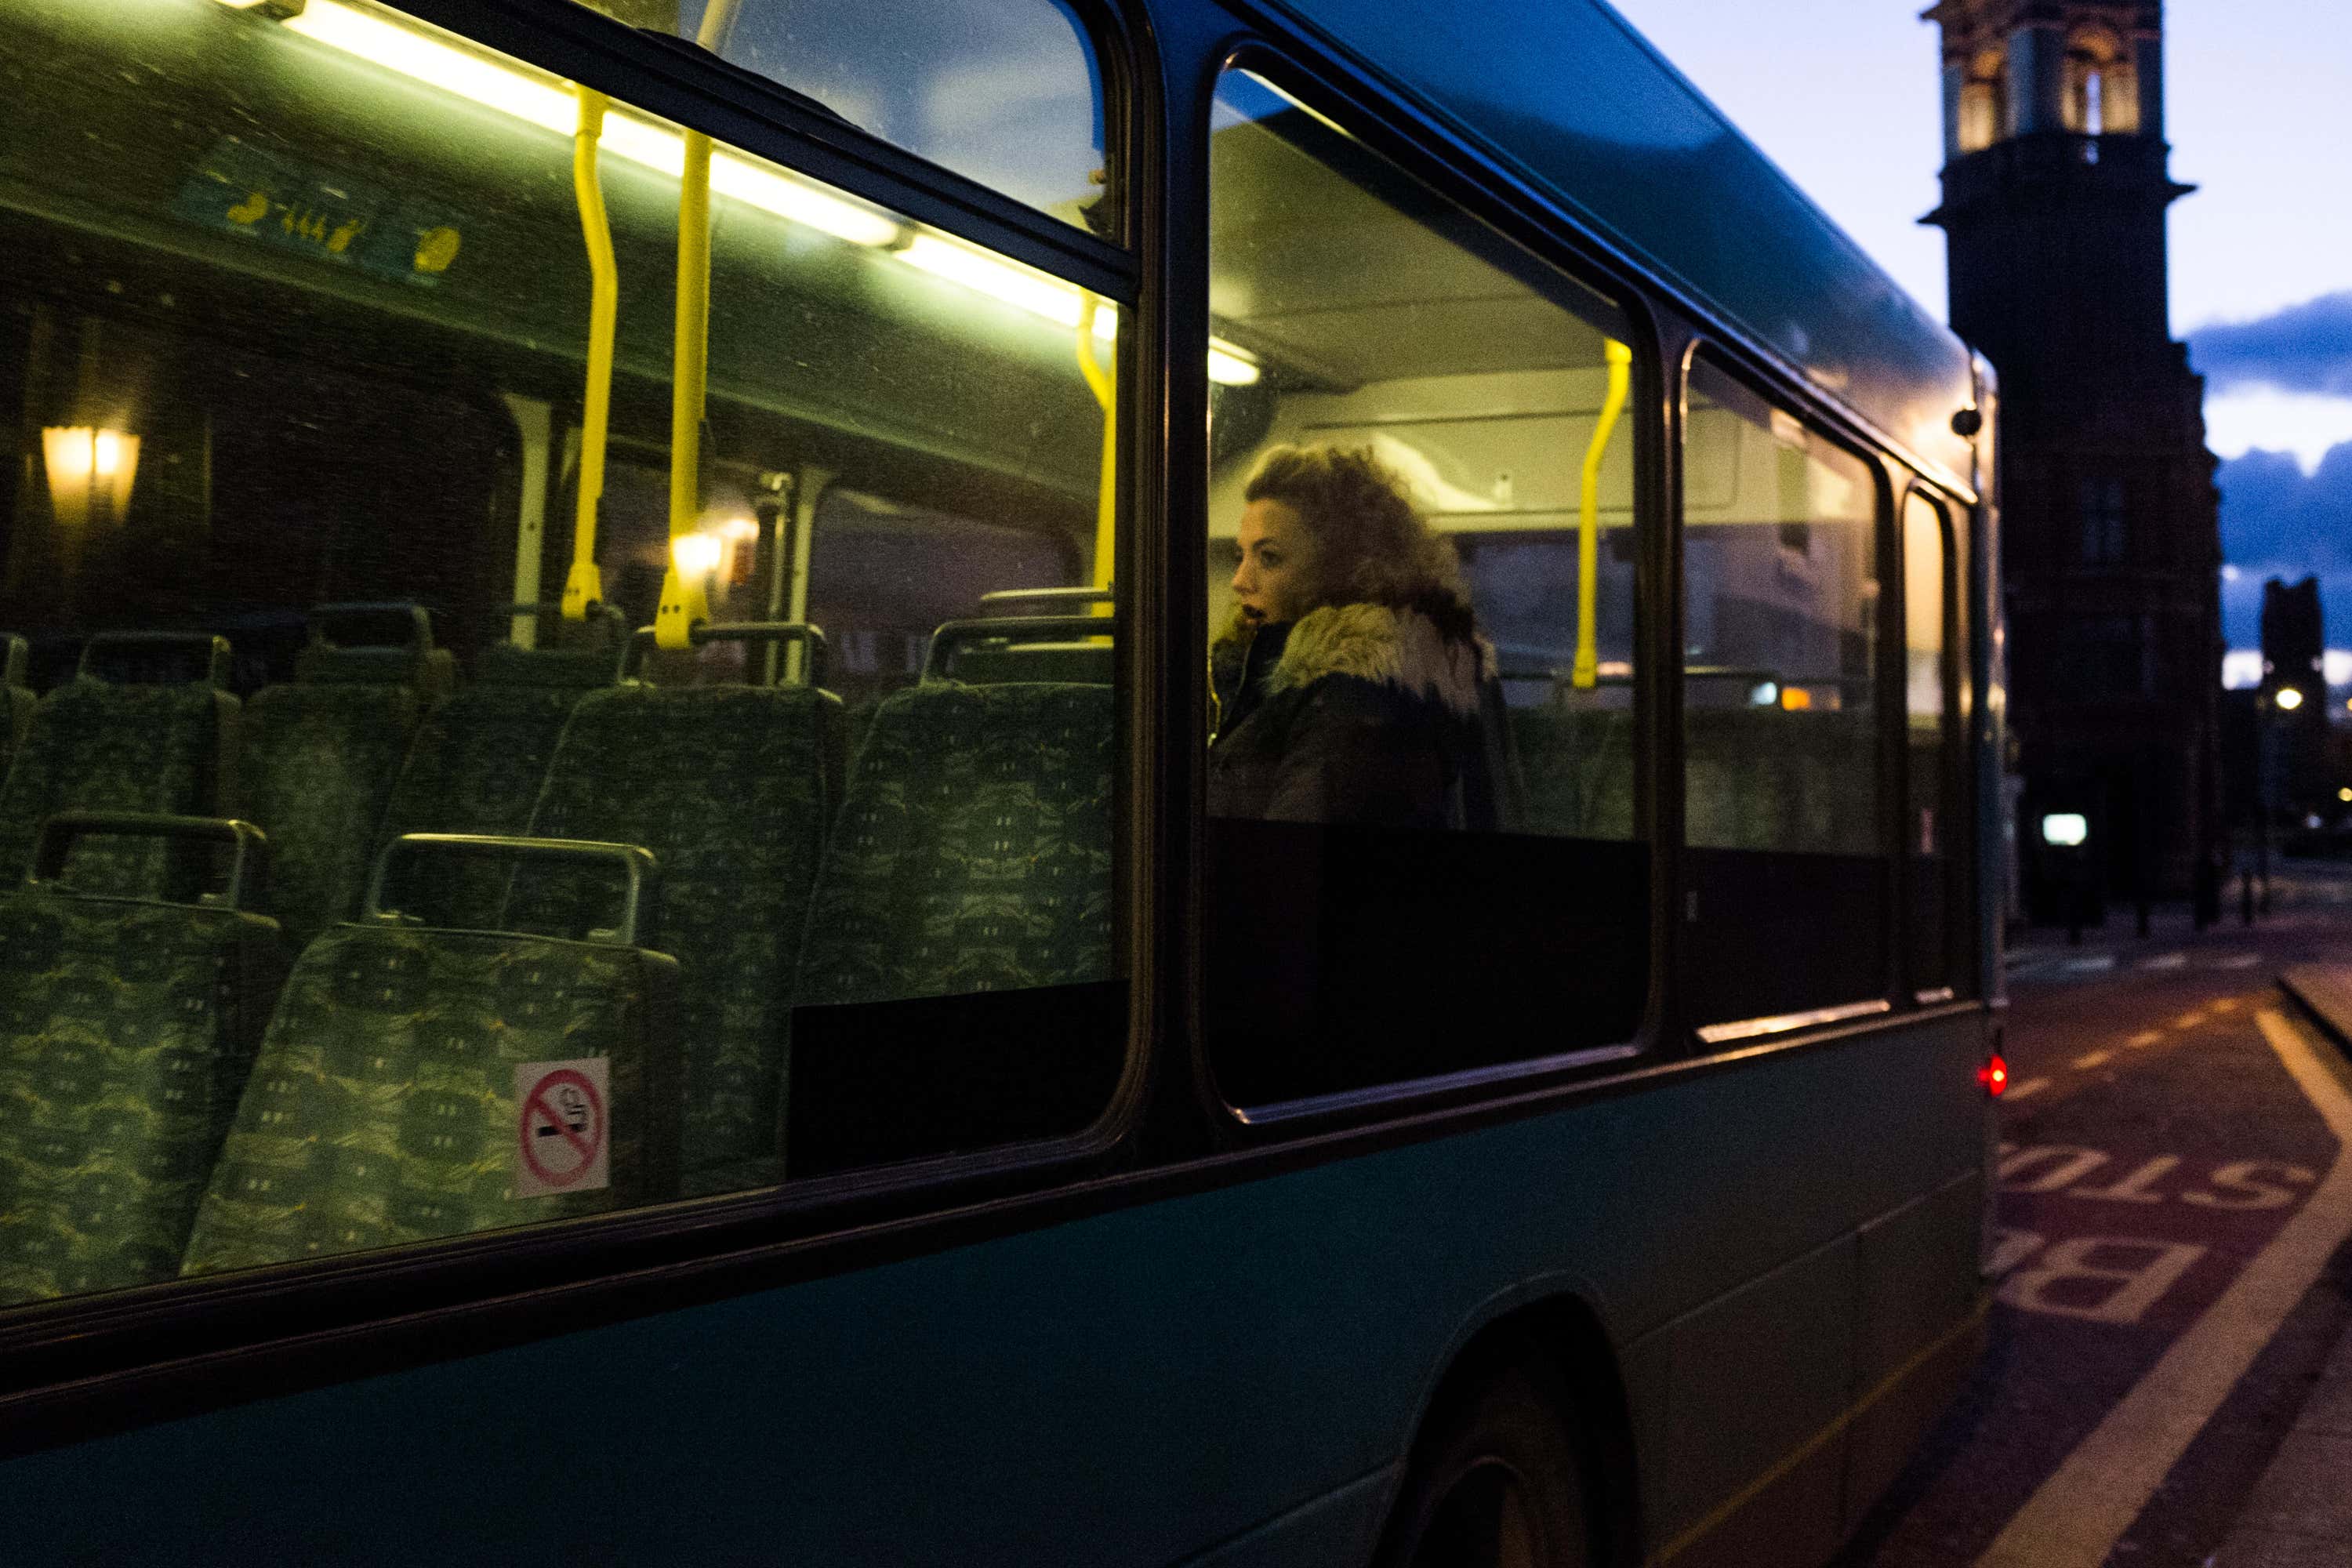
(1843, 95)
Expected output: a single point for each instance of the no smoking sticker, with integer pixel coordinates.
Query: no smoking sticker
(562, 1141)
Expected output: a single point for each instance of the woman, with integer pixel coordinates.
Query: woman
(1350, 685)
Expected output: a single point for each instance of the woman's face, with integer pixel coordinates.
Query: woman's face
(1278, 562)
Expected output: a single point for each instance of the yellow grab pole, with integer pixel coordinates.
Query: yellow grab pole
(683, 596)
(1587, 673)
(1104, 382)
(585, 585)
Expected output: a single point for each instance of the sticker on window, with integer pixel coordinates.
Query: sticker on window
(562, 1141)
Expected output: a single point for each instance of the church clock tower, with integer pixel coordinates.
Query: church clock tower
(2053, 214)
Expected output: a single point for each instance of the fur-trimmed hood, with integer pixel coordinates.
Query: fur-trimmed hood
(1427, 650)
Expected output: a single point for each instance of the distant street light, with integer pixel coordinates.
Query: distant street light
(2289, 698)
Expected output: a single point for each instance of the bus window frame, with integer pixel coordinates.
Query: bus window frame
(1425, 154)
(1953, 793)
(81, 1366)
(1888, 474)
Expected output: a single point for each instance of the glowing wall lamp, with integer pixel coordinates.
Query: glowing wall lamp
(91, 472)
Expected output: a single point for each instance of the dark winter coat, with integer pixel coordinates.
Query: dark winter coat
(1362, 713)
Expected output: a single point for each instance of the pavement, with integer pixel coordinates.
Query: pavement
(2299, 1514)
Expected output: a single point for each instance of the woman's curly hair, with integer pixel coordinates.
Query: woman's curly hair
(1371, 545)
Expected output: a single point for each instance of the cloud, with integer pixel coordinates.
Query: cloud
(2277, 521)
(2304, 348)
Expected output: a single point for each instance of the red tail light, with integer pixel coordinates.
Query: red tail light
(1994, 1076)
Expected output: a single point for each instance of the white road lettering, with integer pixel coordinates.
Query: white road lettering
(2126, 1276)
(2238, 1178)
(2087, 1504)
(2072, 1165)
(2133, 1189)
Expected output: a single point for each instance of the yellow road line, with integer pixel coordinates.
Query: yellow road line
(2084, 1507)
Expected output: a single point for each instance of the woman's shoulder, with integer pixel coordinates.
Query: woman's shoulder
(1407, 649)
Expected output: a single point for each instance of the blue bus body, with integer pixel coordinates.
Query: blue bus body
(1187, 1334)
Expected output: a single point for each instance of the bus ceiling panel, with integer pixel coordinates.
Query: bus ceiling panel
(1569, 100)
(739, 105)
(1307, 264)
(434, 230)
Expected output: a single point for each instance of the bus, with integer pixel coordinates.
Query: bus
(614, 948)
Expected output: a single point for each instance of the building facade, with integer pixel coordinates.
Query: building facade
(2054, 192)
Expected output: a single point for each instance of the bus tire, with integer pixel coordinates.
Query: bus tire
(1497, 1479)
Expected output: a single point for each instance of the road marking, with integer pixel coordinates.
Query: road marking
(2224, 1005)
(2146, 1037)
(2098, 962)
(2084, 1508)
(2030, 1086)
(2190, 1020)
(2090, 1060)
(2165, 961)
(2240, 960)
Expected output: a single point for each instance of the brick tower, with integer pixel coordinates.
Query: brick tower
(2054, 194)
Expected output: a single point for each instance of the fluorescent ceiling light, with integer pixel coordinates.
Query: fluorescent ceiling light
(1041, 294)
(1228, 368)
(549, 103)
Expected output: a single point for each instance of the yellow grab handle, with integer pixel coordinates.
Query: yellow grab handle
(1587, 672)
(585, 586)
(1104, 382)
(684, 602)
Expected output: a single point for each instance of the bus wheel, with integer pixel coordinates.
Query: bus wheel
(1496, 1483)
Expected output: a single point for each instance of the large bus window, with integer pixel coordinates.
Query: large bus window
(1930, 815)
(1425, 851)
(1785, 909)
(1006, 92)
(381, 483)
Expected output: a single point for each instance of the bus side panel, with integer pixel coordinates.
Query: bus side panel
(1128, 1388)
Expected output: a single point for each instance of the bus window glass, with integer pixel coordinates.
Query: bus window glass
(1006, 92)
(1426, 847)
(1929, 816)
(1787, 896)
(347, 511)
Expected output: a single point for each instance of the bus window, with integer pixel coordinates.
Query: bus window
(1006, 92)
(1426, 855)
(1786, 904)
(379, 479)
(1930, 733)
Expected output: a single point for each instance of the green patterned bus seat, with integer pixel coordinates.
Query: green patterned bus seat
(126, 1028)
(96, 745)
(973, 850)
(17, 700)
(1761, 778)
(317, 766)
(726, 785)
(1579, 765)
(477, 766)
(383, 1105)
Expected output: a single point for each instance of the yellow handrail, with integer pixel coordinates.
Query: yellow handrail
(1587, 672)
(585, 585)
(1102, 379)
(683, 599)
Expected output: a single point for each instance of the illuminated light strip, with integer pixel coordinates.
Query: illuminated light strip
(548, 103)
(1048, 297)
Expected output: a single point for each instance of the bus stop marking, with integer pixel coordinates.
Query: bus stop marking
(2078, 1514)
